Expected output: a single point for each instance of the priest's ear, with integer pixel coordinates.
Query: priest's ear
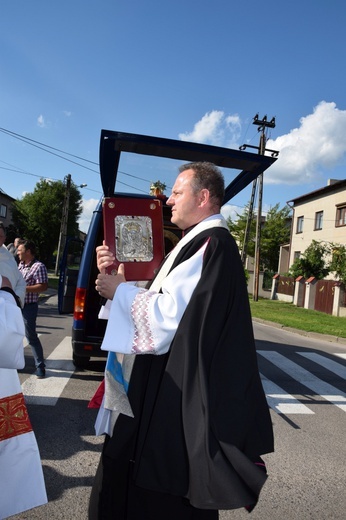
(203, 197)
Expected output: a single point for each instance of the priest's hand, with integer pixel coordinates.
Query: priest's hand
(104, 257)
(107, 284)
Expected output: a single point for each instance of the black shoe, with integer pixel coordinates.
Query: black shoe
(41, 373)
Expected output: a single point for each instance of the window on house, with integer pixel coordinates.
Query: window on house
(318, 220)
(3, 211)
(296, 255)
(300, 223)
(340, 216)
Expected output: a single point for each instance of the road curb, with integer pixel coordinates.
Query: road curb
(314, 335)
(47, 294)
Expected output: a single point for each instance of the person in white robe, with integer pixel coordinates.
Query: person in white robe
(22, 485)
(184, 411)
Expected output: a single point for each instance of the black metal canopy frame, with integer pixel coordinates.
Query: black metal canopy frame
(113, 143)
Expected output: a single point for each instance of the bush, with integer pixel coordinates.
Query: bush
(312, 262)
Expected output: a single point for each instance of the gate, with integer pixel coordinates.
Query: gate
(285, 285)
(324, 296)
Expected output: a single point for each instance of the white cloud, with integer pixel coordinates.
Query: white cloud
(216, 129)
(229, 210)
(67, 113)
(319, 143)
(41, 121)
(88, 209)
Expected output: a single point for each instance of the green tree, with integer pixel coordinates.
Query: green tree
(237, 229)
(338, 263)
(312, 262)
(37, 216)
(275, 232)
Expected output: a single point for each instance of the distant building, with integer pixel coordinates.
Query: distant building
(319, 215)
(6, 203)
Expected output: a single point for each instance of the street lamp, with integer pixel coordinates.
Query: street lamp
(63, 227)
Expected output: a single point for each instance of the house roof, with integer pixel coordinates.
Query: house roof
(5, 194)
(335, 186)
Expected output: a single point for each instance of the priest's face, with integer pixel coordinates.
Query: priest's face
(184, 201)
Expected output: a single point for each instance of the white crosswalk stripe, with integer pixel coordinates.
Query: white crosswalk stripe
(59, 369)
(303, 376)
(281, 401)
(325, 362)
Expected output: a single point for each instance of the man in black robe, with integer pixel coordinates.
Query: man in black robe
(184, 439)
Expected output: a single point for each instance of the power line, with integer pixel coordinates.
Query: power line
(27, 140)
(39, 145)
(20, 171)
(39, 176)
(52, 178)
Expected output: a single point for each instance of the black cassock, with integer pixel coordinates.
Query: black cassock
(201, 419)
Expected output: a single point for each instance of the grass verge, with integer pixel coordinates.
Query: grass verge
(289, 315)
(286, 314)
(53, 280)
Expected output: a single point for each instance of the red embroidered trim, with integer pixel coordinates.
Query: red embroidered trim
(14, 418)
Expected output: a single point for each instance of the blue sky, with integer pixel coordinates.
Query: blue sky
(188, 69)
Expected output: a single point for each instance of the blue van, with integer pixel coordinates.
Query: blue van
(78, 270)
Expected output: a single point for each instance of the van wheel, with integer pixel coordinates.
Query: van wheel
(80, 361)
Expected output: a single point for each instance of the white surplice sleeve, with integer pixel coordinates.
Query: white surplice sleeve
(144, 322)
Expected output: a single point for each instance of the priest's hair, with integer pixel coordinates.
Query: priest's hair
(207, 176)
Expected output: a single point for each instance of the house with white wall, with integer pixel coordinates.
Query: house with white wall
(319, 215)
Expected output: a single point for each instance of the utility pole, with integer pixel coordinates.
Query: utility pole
(63, 227)
(248, 222)
(262, 125)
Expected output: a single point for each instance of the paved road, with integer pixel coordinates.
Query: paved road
(304, 380)
(305, 385)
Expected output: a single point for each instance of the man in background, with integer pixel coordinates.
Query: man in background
(9, 268)
(13, 248)
(36, 277)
